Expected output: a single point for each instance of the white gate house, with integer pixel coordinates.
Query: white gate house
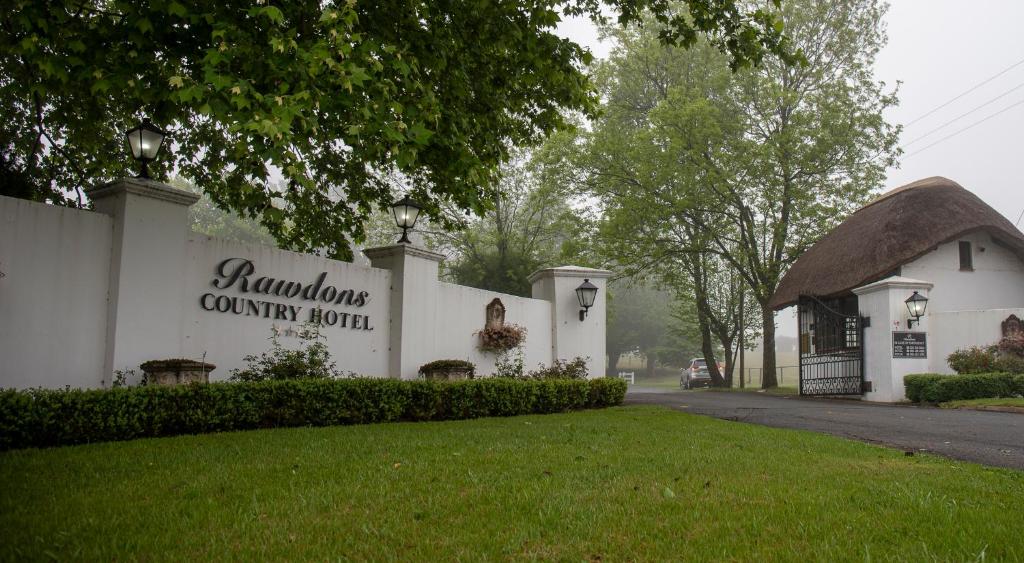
(932, 238)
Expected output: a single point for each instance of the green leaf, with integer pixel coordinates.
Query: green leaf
(176, 9)
(272, 13)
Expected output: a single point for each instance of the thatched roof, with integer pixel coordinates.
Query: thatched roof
(896, 228)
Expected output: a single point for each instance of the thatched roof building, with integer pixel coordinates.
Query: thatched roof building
(894, 229)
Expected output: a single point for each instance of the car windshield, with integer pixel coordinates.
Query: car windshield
(700, 364)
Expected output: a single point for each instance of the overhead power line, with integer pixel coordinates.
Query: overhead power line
(958, 131)
(969, 90)
(965, 114)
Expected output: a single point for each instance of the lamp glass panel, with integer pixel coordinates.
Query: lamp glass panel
(405, 213)
(917, 304)
(586, 293)
(149, 143)
(135, 142)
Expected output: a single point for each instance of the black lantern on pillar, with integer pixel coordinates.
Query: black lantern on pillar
(916, 304)
(406, 212)
(145, 142)
(586, 293)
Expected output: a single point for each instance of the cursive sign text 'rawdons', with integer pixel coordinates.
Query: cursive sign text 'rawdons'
(238, 271)
(240, 274)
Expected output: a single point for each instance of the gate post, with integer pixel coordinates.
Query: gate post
(413, 305)
(570, 335)
(149, 251)
(883, 303)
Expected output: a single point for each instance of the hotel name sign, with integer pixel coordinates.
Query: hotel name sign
(283, 300)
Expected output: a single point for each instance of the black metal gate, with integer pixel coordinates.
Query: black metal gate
(831, 346)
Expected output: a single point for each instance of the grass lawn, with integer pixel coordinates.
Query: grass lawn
(626, 483)
(1019, 403)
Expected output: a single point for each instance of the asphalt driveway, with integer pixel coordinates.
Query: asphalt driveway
(992, 438)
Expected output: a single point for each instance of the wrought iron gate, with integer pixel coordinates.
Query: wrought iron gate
(831, 346)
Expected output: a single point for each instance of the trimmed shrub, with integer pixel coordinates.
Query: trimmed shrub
(45, 417)
(934, 388)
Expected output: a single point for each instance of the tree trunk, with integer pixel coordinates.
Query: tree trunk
(613, 360)
(730, 361)
(652, 362)
(768, 331)
(743, 335)
(708, 349)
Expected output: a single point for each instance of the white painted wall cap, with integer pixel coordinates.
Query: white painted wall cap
(896, 282)
(402, 250)
(569, 272)
(144, 187)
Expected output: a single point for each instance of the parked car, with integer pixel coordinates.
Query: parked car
(696, 375)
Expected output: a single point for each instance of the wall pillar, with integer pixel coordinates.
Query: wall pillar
(413, 304)
(148, 256)
(883, 302)
(571, 337)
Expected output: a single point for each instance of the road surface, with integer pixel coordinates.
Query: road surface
(992, 438)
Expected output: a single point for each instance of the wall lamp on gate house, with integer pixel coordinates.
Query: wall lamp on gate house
(406, 212)
(916, 304)
(586, 293)
(145, 141)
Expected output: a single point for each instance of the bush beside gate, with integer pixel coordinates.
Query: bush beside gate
(934, 388)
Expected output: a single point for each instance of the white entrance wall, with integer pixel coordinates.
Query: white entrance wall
(965, 308)
(883, 303)
(226, 338)
(86, 294)
(53, 295)
(957, 330)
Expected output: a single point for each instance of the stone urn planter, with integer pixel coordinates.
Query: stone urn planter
(448, 370)
(177, 372)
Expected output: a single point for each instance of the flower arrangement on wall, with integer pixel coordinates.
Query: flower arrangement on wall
(501, 338)
(1012, 344)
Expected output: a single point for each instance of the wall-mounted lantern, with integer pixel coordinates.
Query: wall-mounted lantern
(916, 304)
(586, 293)
(145, 142)
(406, 212)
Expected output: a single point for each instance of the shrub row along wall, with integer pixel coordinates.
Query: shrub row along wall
(42, 418)
(934, 388)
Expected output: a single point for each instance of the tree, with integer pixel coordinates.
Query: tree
(759, 163)
(208, 219)
(333, 97)
(530, 225)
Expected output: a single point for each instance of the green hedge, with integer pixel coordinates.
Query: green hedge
(934, 388)
(42, 417)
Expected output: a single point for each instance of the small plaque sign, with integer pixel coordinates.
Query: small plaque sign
(909, 345)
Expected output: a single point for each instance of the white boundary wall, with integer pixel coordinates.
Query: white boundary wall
(53, 296)
(956, 330)
(88, 293)
(945, 333)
